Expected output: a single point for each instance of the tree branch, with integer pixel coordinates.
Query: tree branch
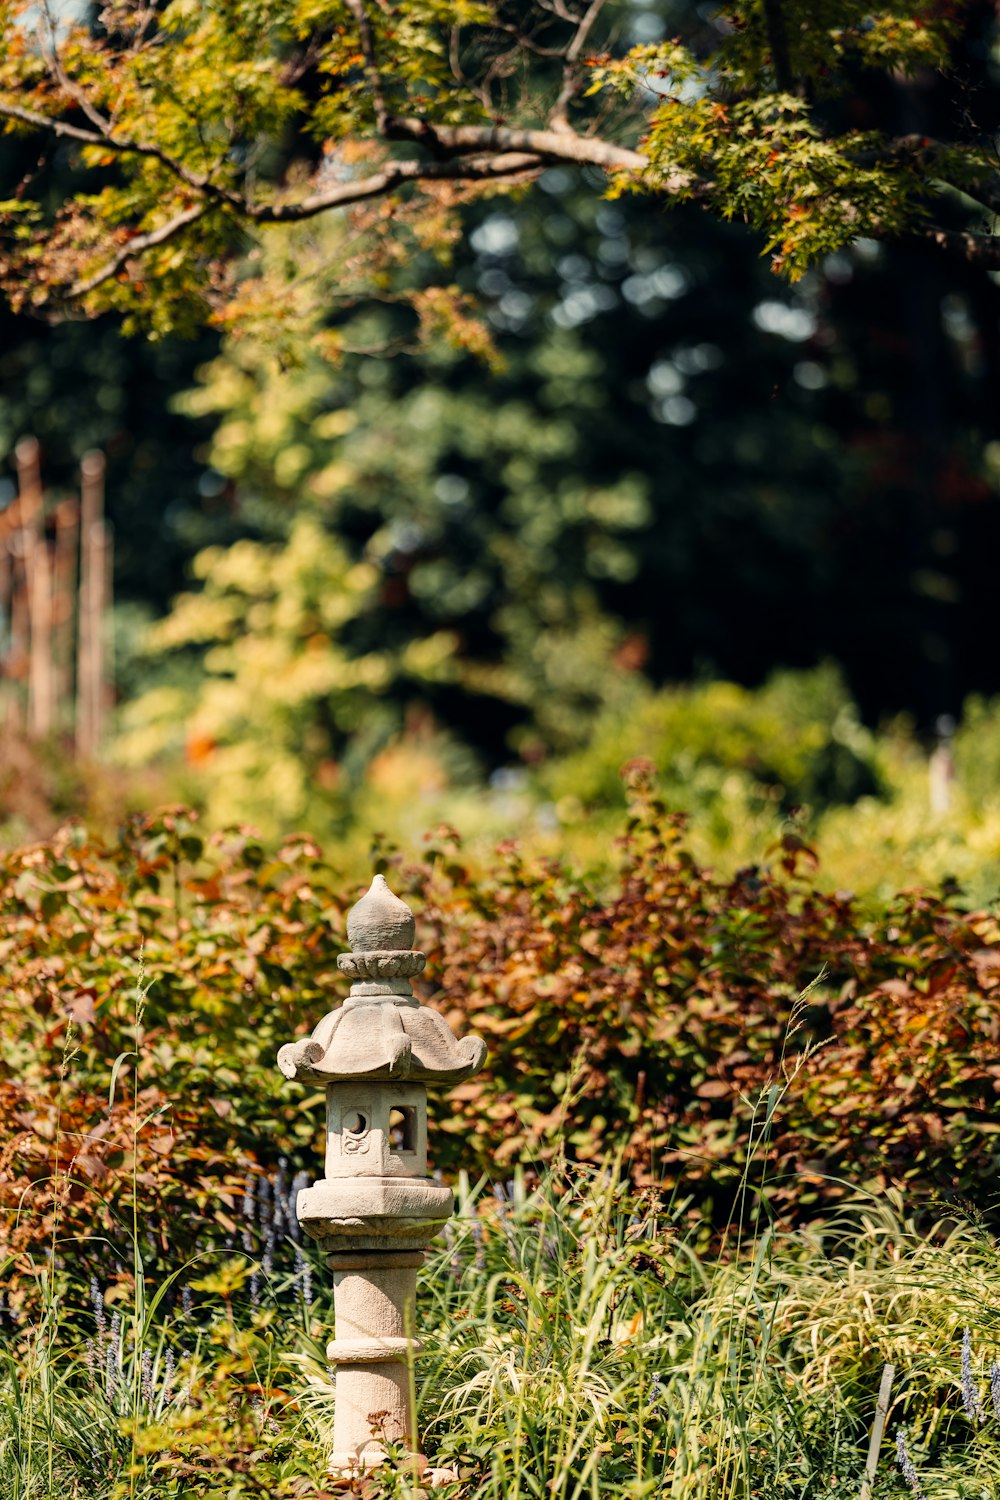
(985, 192)
(58, 72)
(396, 174)
(392, 175)
(982, 190)
(924, 152)
(137, 247)
(107, 141)
(974, 249)
(46, 122)
(929, 155)
(555, 145)
(478, 153)
(559, 118)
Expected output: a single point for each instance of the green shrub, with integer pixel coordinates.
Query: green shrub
(796, 741)
(977, 750)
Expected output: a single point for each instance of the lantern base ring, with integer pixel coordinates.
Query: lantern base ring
(370, 1351)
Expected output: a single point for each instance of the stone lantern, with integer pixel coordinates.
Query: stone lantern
(375, 1210)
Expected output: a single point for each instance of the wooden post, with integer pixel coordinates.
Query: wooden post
(90, 654)
(41, 683)
(16, 664)
(7, 608)
(878, 1428)
(63, 604)
(107, 645)
(6, 589)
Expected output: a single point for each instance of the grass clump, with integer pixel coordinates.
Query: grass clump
(581, 1343)
(580, 1339)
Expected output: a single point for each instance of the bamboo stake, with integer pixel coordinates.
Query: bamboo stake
(41, 693)
(8, 520)
(6, 583)
(6, 605)
(17, 655)
(64, 599)
(878, 1428)
(107, 645)
(89, 670)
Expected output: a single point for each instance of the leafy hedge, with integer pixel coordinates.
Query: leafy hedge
(679, 994)
(795, 741)
(657, 1004)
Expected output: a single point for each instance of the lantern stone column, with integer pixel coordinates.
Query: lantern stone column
(375, 1210)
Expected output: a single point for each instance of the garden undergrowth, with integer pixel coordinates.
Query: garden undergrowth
(577, 1342)
(703, 1313)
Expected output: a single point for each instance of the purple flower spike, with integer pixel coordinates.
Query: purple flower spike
(97, 1303)
(905, 1463)
(970, 1391)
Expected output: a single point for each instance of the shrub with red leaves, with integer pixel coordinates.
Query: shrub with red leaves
(655, 1007)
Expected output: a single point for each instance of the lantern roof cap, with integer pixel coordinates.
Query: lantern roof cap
(382, 1030)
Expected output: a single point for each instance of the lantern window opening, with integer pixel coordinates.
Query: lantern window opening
(355, 1123)
(402, 1129)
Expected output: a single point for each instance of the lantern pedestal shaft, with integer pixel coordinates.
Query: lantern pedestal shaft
(373, 1349)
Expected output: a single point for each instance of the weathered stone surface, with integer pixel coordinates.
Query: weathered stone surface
(376, 1209)
(380, 921)
(381, 1031)
(376, 1130)
(381, 965)
(383, 1041)
(394, 1208)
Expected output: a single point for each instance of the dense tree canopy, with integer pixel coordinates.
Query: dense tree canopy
(198, 126)
(643, 451)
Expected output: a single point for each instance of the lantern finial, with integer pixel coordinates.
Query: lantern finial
(380, 922)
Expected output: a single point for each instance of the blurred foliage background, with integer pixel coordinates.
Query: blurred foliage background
(659, 504)
(639, 503)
